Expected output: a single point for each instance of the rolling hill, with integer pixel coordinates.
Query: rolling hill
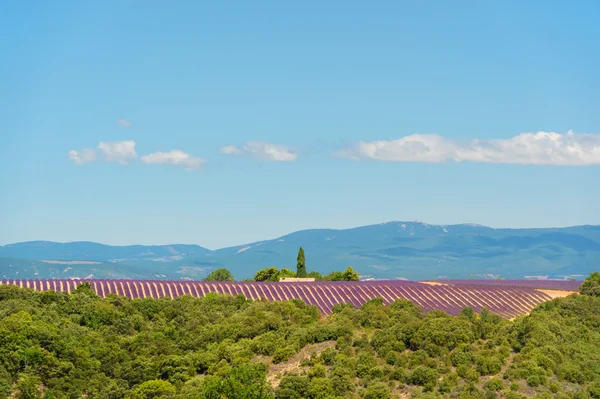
(393, 250)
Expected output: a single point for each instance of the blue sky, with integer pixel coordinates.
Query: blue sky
(218, 124)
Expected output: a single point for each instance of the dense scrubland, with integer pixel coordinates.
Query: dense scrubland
(58, 345)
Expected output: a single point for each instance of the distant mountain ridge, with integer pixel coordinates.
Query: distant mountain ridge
(83, 250)
(406, 250)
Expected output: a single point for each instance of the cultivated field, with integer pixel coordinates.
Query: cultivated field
(508, 301)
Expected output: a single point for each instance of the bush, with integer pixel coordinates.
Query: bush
(488, 365)
(283, 354)
(536, 380)
(154, 389)
(423, 376)
(594, 390)
(378, 391)
(591, 285)
(462, 356)
(320, 388)
(221, 274)
(467, 373)
(292, 387)
(494, 384)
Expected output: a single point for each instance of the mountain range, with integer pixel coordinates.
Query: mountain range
(392, 250)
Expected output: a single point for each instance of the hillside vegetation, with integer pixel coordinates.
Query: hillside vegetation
(55, 345)
(410, 250)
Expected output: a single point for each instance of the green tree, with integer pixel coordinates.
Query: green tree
(286, 273)
(221, 274)
(350, 275)
(347, 275)
(85, 288)
(292, 387)
(301, 264)
(316, 275)
(153, 389)
(320, 388)
(28, 386)
(5, 389)
(591, 285)
(247, 381)
(268, 274)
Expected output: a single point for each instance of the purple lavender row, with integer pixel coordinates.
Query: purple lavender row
(562, 285)
(505, 301)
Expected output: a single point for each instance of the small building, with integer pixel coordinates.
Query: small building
(296, 279)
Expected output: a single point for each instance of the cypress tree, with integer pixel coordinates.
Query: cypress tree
(301, 264)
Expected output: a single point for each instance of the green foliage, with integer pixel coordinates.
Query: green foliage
(347, 275)
(60, 346)
(273, 274)
(153, 389)
(268, 274)
(28, 386)
(221, 274)
(292, 387)
(488, 365)
(439, 334)
(594, 389)
(591, 285)
(301, 264)
(316, 275)
(378, 390)
(5, 388)
(320, 388)
(85, 289)
(423, 376)
(494, 384)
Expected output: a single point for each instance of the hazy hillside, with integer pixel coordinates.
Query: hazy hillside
(411, 250)
(84, 250)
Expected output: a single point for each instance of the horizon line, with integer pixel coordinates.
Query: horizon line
(301, 230)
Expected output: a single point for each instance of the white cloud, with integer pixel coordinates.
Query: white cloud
(83, 156)
(541, 148)
(114, 151)
(175, 158)
(118, 151)
(262, 151)
(230, 150)
(124, 123)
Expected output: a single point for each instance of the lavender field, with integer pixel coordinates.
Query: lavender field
(562, 285)
(508, 301)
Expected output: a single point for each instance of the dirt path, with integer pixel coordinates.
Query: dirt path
(557, 293)
(277, 371)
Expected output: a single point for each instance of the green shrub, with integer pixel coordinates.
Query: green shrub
(320, 388)
(378, 390)
(488, 365)
(594, 389)
(292, 387)
(536, 380)
(467, 373)
(591, 285)
(283, 354)
(494, 384)
(423, 376)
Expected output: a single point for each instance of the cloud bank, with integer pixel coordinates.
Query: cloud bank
(174, 158)
(541, 148)
(262, 151)
(120, 152)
